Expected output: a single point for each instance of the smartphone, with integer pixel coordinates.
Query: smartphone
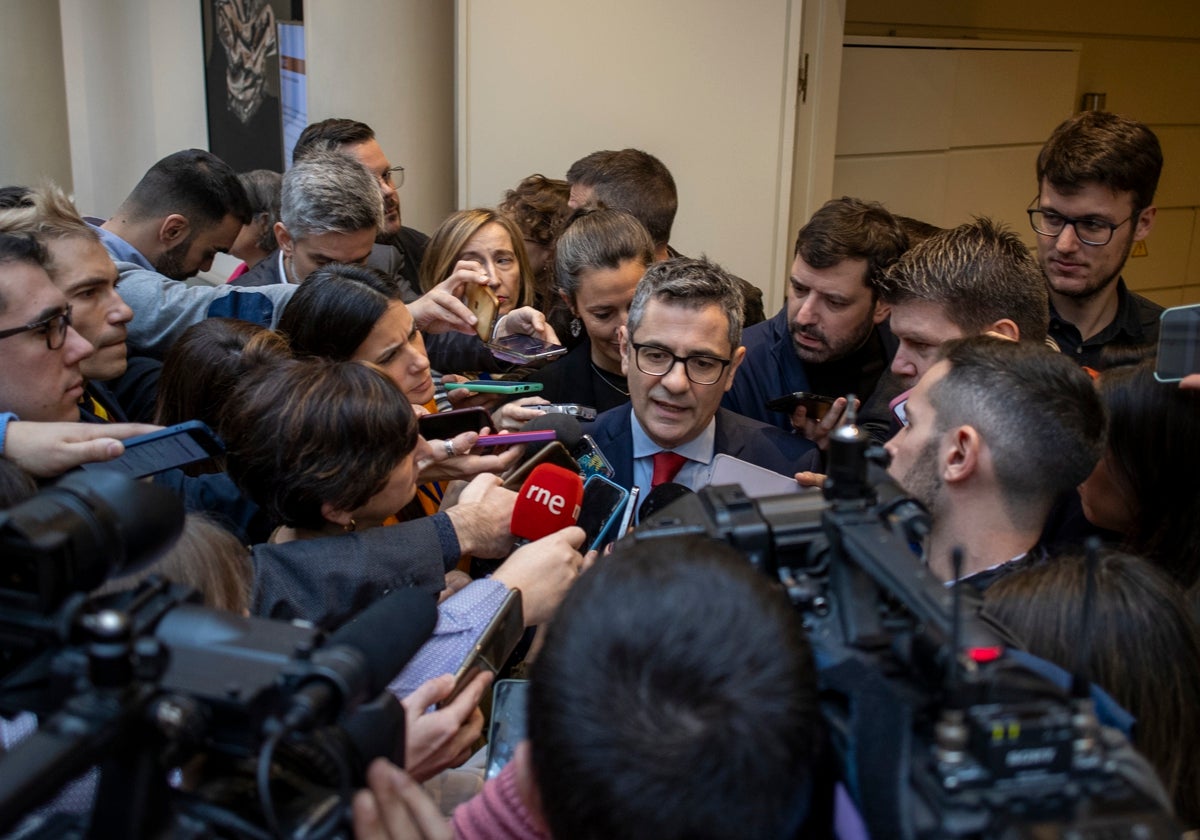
(600, 513)
(495, 386)
(590, 459)
(166, 449)
(1178, 343)
(816, 405)
(523, 349)
(497, 642)
(483, 303)
(583, 412)
(630, 508)
(513, 438)
(510, 702)
(552, 453)
(447, 424)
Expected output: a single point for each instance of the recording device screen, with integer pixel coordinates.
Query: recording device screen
(164, 450)
(603, 503)
(1178, 343)
(521, 349)
(510, 698)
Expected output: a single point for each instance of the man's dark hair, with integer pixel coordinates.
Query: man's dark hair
(20, 248)
(193, 183)
(675, 698)
(634, 181)
(1097, 147)
(851, 229)
(330, 136)
(1036, 409)
(978, 273)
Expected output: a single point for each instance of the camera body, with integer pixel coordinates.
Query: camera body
(937, 728)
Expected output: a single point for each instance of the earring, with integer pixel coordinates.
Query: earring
(350, 527)
(576, 327)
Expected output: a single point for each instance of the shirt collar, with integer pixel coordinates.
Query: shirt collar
(118, 248)
(699, 448)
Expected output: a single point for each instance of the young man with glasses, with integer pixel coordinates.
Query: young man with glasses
(680, 350)
(40, 352)
(1096, 180)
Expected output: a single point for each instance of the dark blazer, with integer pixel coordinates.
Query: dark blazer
(738, 436)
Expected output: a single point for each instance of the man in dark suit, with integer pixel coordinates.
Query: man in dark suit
(679, 350)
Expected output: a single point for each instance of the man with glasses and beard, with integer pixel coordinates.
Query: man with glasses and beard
(1096, 180)
(680, 349)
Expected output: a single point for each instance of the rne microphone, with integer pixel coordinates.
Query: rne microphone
(548, 501)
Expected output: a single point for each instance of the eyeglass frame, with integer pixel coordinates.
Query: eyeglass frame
(637, 352)
(1073, 221)
(388, 179)
(61, 332)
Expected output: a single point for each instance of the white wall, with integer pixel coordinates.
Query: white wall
(390, 64)
(33, 107)
(707, 86)
(135, 91)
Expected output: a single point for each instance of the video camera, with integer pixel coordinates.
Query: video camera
(272, 724)
(938, 729)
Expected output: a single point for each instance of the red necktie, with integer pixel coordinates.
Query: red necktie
(666, 467)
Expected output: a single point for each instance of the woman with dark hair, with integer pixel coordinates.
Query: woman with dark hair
(1143, 486)
(354, 313)
(1142, 648)
(329, 451)
(205, 364)
(601, 256)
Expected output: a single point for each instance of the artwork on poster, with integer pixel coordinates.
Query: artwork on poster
(242, 76)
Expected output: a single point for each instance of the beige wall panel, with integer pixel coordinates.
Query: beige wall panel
(992, 101)
(894, 100)
(912, 185)
(1164, 297)
(1179, 185)
(1153, 81)
(390, 64)
(997, 182)
(701, 84)
(1109, 17)
(1192, 289)
(1169, 245)
(33, 97)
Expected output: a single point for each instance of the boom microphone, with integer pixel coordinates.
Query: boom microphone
(548, 502)
(566, 427)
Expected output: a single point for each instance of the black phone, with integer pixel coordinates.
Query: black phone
(1178, 343)
(447, 424)
(510, 699)
(166, 449)
(816, 405)
(600, 512)
(497, 642)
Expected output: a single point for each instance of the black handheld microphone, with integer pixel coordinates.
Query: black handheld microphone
(362, 657)
(660, 497)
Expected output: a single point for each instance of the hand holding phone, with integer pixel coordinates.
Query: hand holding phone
(166, 449)
(524, 349)
(484, 305)
(497, 642)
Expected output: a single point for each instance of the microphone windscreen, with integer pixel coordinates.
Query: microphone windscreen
(661, 496)
(548, 501)
(388, 633)
(565, 426)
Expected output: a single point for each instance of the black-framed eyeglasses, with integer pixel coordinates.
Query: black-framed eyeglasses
(657, 361)
(393, 177)
(1088, 230)
(53, 326)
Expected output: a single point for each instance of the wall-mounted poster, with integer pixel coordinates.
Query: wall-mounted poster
(241, 61)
